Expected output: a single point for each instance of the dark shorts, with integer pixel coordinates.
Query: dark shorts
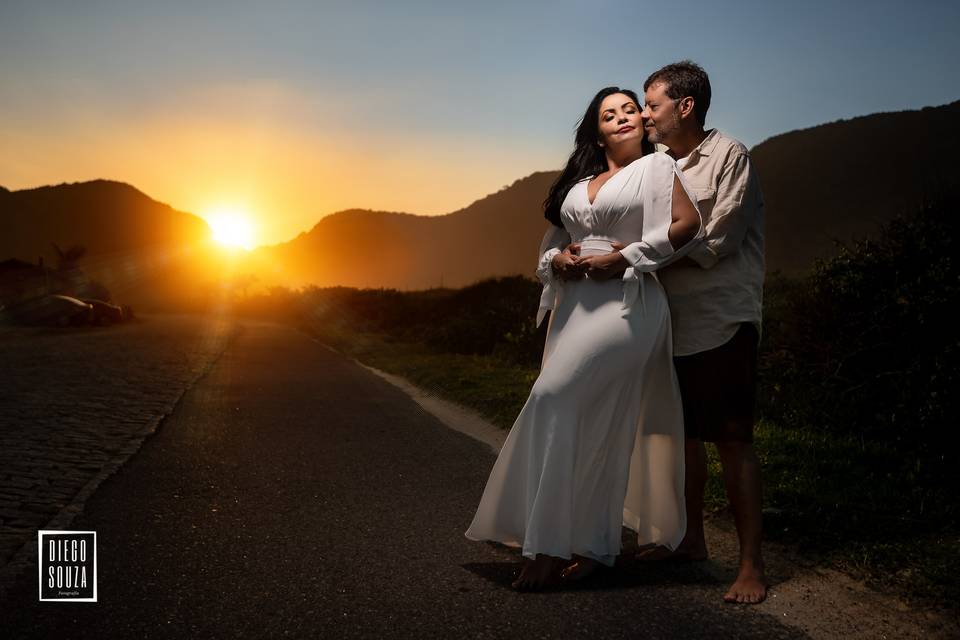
(719, 389)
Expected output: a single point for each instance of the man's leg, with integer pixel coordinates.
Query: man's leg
(741, 478)
(693, 546)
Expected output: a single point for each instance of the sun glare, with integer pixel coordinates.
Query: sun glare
(231, 227)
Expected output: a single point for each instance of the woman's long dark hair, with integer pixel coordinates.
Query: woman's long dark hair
(588, 158)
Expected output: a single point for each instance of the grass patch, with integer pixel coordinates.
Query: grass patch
(848, 503)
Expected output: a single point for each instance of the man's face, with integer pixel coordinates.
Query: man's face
(661, 118)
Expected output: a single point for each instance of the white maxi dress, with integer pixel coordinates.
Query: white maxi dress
(599, 442)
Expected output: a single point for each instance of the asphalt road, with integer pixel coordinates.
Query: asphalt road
(292, 493)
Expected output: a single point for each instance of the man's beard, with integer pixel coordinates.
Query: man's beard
(657, 135)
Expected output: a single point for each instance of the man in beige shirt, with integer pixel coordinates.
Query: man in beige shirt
(715, 296)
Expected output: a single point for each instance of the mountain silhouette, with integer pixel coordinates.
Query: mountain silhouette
(826, 184)
(840, 181)
(103, 215)
(143, 251)
(497, 235)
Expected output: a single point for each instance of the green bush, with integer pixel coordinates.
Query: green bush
(865, 350)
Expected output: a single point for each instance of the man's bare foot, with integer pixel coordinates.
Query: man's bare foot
(580, 568)
(750, 587)
(542, 573)
(685, 552)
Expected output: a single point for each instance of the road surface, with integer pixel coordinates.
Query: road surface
(292, 493)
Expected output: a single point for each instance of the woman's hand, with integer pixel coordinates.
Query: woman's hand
(568, 264)
(606, 266)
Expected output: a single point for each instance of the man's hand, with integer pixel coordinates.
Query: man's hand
(606, 266)
(568, 264)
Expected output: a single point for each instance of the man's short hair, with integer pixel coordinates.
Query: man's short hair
(682, 79)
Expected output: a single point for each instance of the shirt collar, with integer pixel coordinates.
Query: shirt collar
(705, 148)
(707, 145)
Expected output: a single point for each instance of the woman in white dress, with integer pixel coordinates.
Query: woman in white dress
(599, 442)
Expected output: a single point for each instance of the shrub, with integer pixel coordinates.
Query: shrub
(865, 348)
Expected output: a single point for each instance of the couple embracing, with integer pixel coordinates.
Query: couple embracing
(653, 274)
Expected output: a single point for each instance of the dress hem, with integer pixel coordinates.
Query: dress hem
(607, 559)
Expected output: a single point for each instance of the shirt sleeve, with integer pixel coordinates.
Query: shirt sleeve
(733, 212)
(654, 250)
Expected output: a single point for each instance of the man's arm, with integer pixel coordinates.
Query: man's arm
(684, 227)
(670, 218)
(735, 210)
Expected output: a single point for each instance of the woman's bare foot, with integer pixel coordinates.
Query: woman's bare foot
(750, 587)
(580, 568)
(542, 573)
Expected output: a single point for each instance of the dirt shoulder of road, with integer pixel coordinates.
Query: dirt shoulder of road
(822, 603)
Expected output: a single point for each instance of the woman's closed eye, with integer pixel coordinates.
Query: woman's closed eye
(611, 118)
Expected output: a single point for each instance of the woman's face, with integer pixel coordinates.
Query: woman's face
(619, 121)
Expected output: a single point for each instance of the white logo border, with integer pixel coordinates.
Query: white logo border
(40, 533)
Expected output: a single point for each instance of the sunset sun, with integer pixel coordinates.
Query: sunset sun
(231, 227)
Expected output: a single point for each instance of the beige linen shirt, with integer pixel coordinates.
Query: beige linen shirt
(709, 299)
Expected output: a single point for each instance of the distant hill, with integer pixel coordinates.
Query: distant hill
(841, 180)
(497, 235)
(139, 248)
(103, 215)
(833, 182)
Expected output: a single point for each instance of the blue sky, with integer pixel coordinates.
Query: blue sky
(304, 108)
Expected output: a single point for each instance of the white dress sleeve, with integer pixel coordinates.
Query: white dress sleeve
(554, 240)
(654, 250)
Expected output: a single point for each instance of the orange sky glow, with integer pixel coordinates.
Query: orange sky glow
(248, 149)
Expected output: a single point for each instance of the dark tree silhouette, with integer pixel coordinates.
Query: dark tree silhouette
(69, 259)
